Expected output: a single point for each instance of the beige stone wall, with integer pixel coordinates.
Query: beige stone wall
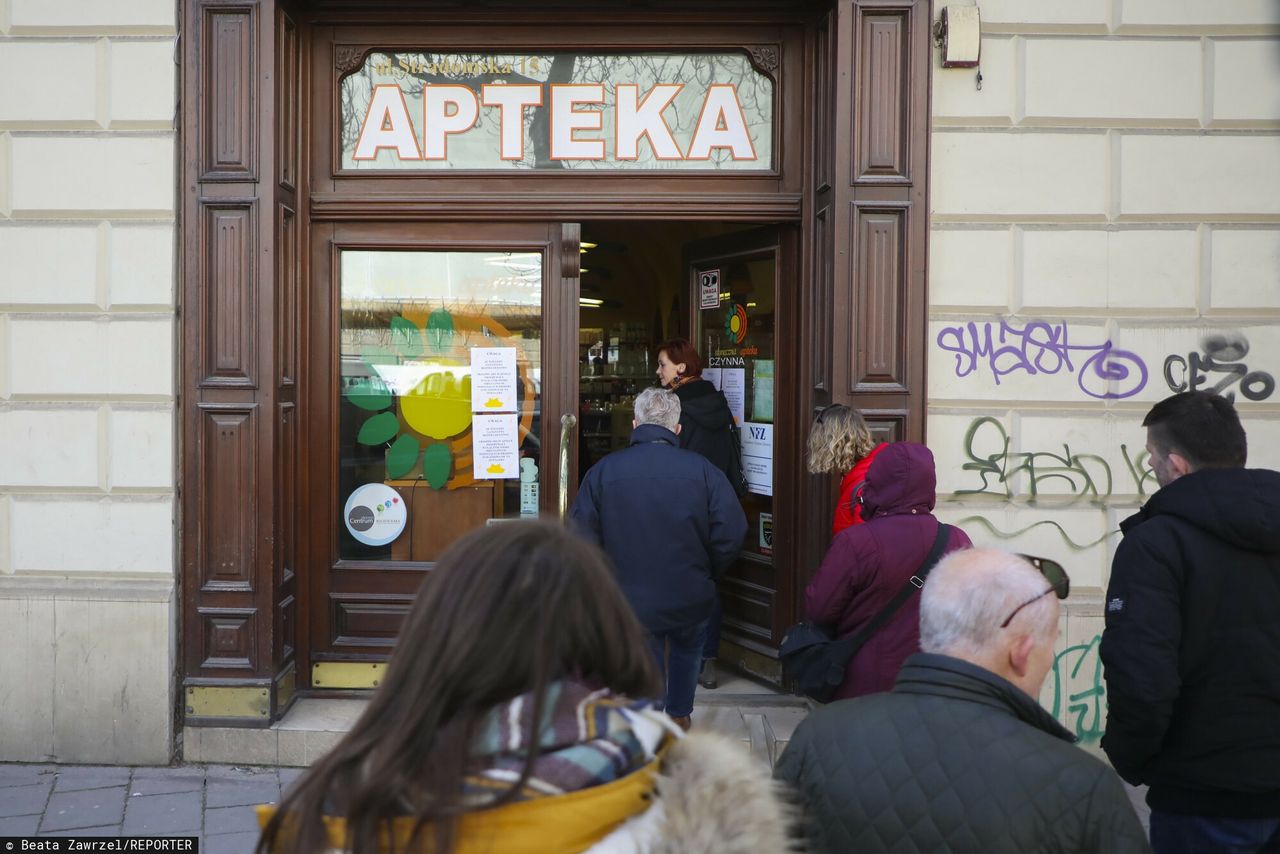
(1107, 205)
(87, 368)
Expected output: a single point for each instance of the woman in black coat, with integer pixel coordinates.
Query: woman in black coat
(705, 427)
(705, 419)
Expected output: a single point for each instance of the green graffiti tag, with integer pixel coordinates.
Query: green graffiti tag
(1085, 476)
(1009, 535)
(1084, 711)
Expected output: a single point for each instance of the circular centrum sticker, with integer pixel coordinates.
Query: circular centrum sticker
(375, 514)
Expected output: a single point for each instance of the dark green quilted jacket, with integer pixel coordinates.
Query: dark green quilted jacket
(953, 759)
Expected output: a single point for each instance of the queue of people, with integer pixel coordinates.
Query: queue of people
(547, 701)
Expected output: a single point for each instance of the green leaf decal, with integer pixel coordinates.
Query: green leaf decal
(378, 429)
(372, 395)
(439, 329)
(375, 354)
(436, 463)
(406, 337)
(401, 457)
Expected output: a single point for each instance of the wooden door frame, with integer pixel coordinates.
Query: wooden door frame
(318, 448)
(790, 413)
(853, 157)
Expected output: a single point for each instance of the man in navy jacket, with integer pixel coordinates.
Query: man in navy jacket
(671, 524)
(1191, 647)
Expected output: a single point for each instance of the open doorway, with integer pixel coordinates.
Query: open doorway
(716, 284)
(635, 294)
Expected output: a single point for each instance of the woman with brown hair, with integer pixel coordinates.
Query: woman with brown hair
(517, 624)
(840, 443)
(705, 420)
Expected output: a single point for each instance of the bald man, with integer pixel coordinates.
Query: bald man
(959, 756)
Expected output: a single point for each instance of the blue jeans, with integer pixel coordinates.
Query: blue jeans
(679, 656)
(1198, 834)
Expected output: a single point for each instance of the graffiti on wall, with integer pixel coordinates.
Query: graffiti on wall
(1082, 711)
(1083, 475)
(1043, 348)
(996, 531)
(1221, 362)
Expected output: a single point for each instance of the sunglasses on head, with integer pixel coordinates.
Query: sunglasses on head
(822, 411)
(1054, 573)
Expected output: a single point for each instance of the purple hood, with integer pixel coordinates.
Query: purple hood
(901, 480)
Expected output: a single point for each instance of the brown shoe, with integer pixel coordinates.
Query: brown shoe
(684, 722)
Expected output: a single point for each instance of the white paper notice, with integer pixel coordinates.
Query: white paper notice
(712, 375)
(757, 457)
(493, 379)
(733, 382)
(709, 288)
(495, 446)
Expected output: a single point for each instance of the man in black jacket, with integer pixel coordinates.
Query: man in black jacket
(1191, 649)
(671, 524)
(958, 756)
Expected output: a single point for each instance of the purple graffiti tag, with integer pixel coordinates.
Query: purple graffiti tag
(1110, 364)
(1040, 347)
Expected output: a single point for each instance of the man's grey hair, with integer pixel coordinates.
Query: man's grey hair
(658, 406)
(971, 592)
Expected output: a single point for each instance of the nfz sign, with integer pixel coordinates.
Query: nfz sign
(557, 111)
(757, 456)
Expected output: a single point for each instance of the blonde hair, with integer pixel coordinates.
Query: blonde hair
(838, 439)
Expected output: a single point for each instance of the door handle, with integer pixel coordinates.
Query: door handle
(567, 423)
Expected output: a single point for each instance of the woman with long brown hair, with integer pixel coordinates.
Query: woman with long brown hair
(517, 624)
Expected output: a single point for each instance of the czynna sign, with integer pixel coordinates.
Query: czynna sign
(424, 111)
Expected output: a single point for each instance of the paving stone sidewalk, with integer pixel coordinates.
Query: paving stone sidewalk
(212, 802)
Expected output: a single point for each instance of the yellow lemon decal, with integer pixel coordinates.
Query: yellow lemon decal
(493, 403)
(495, 468)
(439, 406)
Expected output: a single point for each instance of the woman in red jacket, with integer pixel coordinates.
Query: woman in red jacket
(840, 443)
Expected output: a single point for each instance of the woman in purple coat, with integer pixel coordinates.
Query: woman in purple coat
(868, 564)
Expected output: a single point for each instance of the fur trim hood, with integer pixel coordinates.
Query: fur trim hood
(712, 798)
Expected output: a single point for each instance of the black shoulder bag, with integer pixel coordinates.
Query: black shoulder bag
(737, 477)
(815, 661)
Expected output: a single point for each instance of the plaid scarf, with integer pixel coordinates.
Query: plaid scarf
(681, 380)
(587, 737)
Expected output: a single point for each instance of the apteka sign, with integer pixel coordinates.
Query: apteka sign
(451, 110)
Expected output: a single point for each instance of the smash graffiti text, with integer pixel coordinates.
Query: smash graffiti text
(1040, 347)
